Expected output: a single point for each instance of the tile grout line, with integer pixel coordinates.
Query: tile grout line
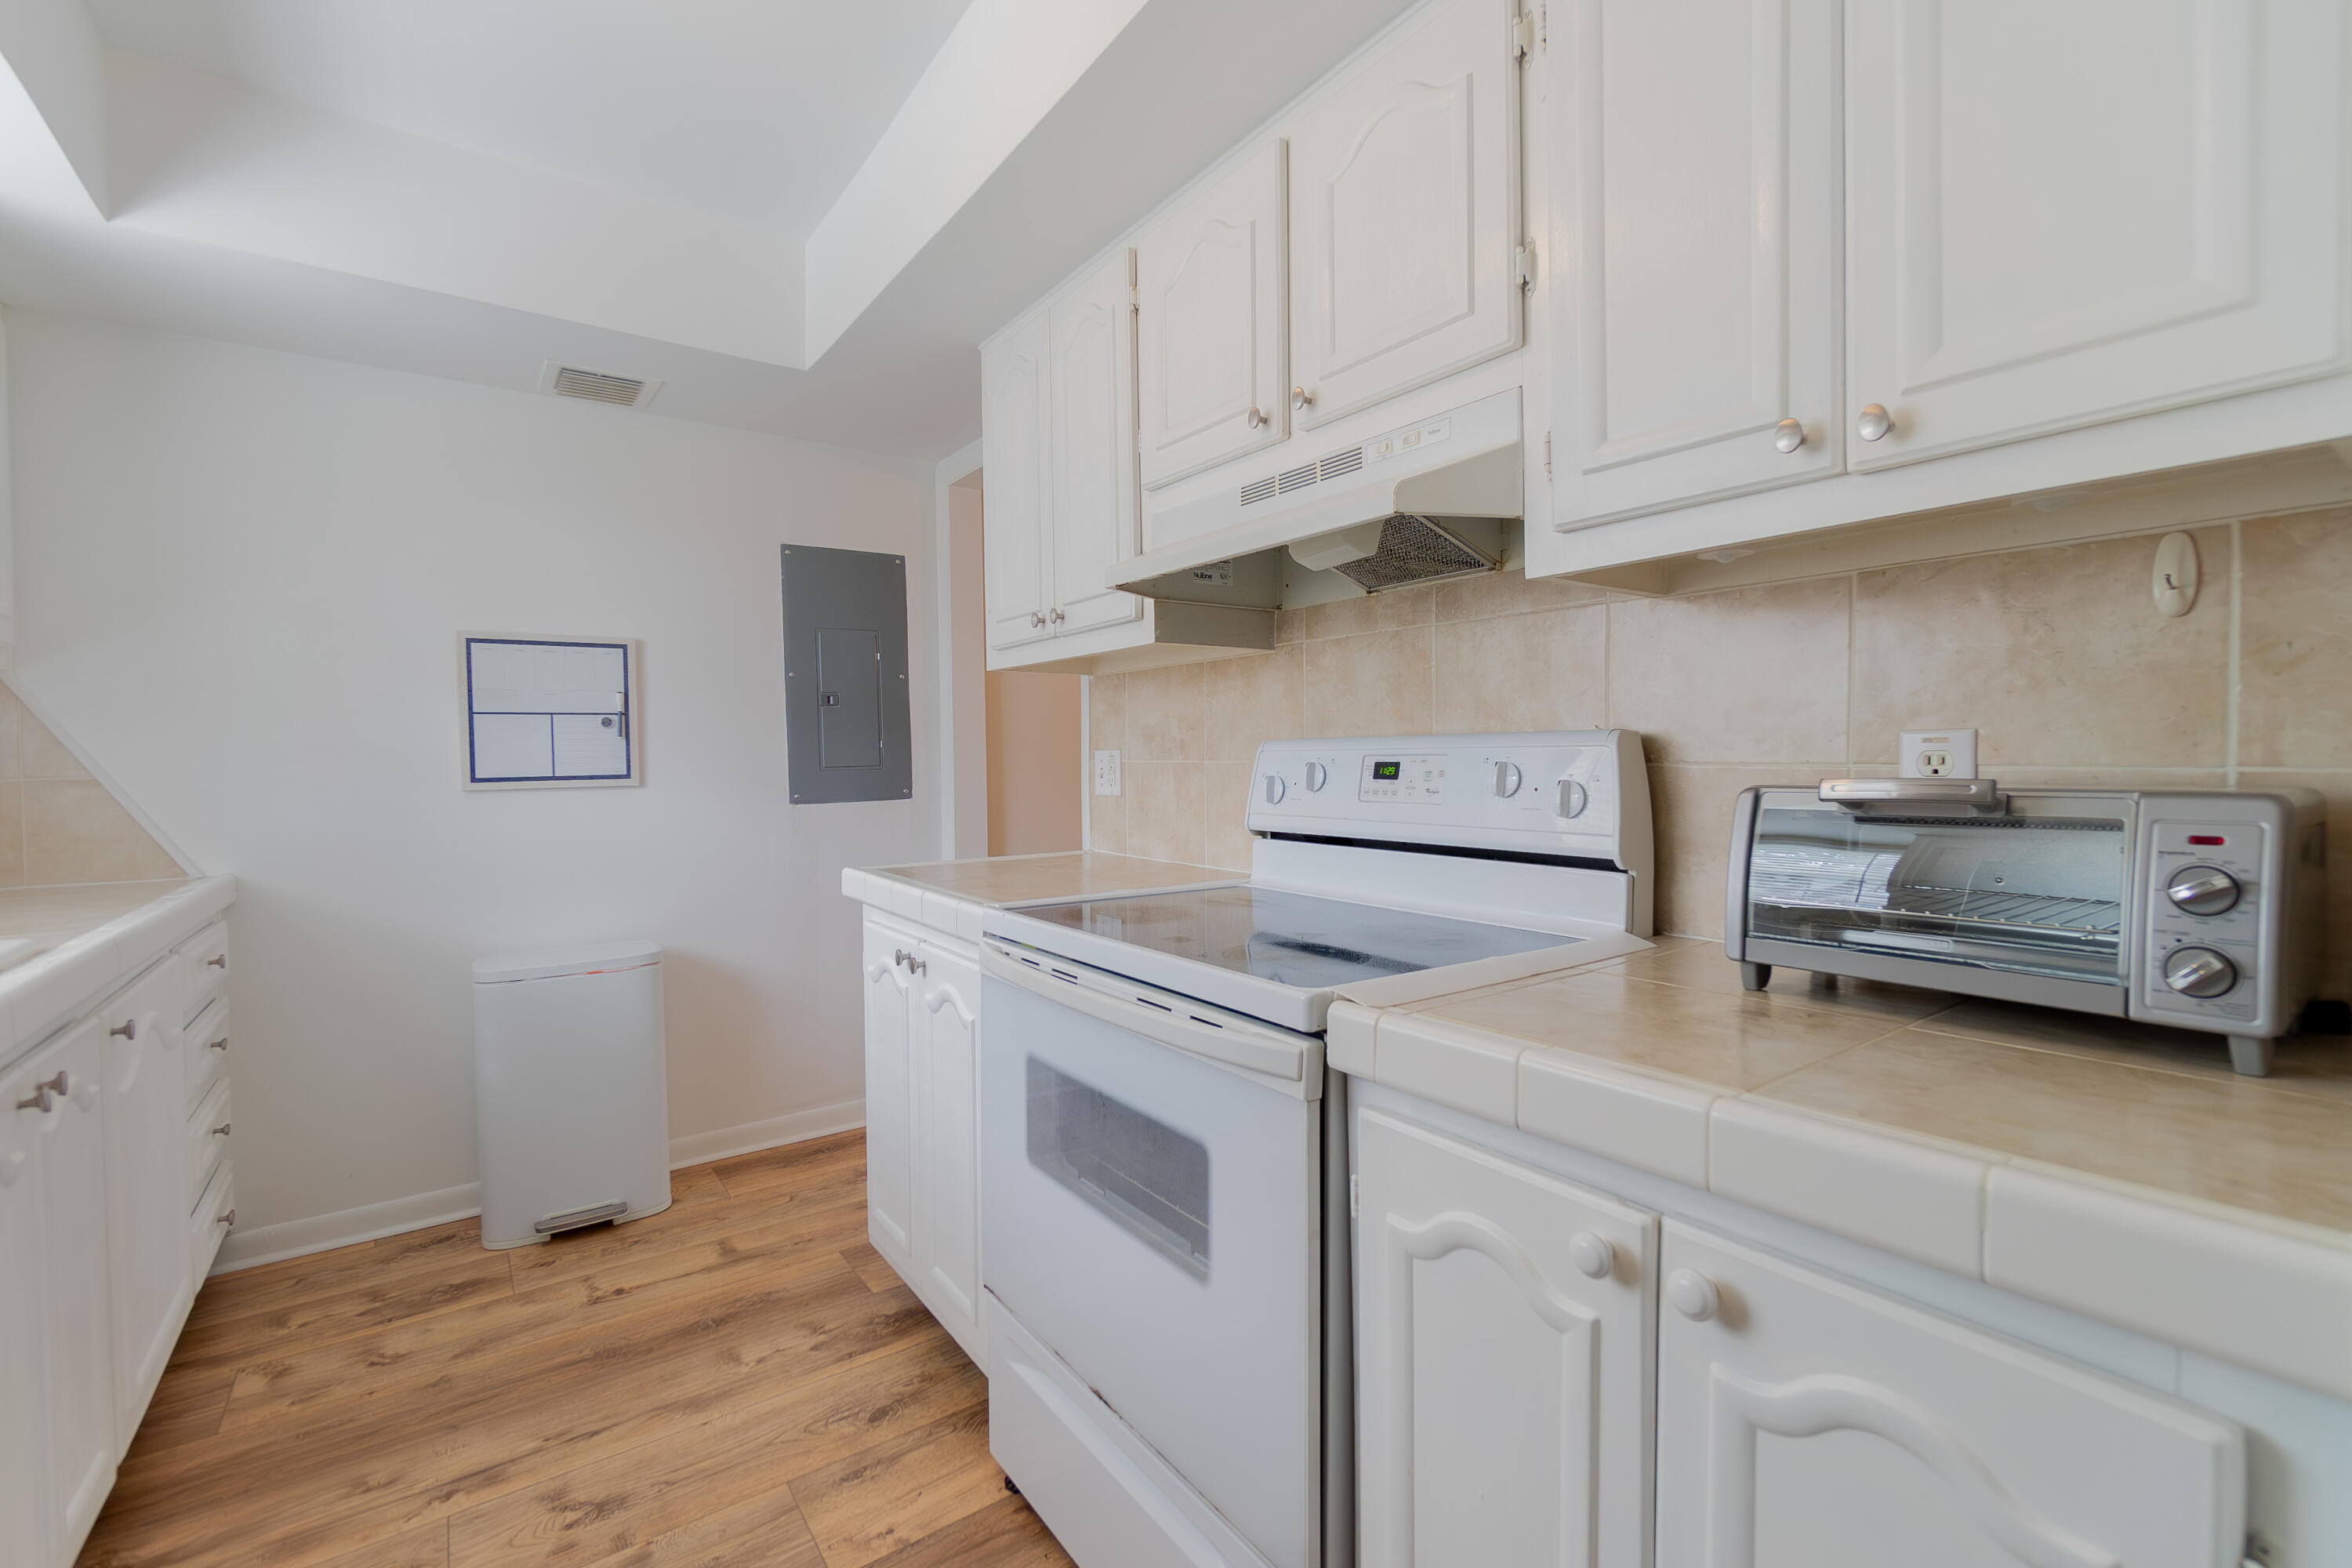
(2234, 665)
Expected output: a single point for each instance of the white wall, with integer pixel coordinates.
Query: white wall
(241, 578)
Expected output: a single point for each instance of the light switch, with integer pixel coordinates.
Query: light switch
(1106, 772)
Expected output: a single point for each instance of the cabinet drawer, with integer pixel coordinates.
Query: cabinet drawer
(204, 1050)
(207, 1136)
(205, 957)
(214, 1217)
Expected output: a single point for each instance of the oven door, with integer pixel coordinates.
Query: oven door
(1150, 1182)
(2038, 893)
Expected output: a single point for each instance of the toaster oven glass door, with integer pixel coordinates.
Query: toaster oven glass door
(2038, 894)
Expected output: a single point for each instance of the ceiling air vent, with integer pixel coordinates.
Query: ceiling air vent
(596, 385)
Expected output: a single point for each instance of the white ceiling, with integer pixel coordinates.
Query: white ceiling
(753, 111)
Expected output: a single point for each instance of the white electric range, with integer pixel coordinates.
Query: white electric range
(1163, 1153)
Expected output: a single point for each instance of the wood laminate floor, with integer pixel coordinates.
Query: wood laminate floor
(741, 1380)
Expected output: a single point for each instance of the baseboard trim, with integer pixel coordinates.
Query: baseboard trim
(374, 1222)
(819, 1122)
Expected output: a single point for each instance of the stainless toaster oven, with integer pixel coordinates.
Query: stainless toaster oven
(2201, 911)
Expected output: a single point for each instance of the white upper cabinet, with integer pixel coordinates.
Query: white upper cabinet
(1806, 1422)
(1094, 502)
(2060, 215)
(1404, 214)
(1503, 1333)
(1015, 438)
(1212, 350)
(1695, 251)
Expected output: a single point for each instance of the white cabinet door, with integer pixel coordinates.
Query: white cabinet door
(69, 1172)
(147, 1190)
(1696, 249)
(1404, 214)
(1807, 1423)
(889, 1095)
(1016, 501)
(946, 1143)
(2063, 214)
(1095, 500)
(1503, 1337)
(1211, 346)
(24, 1414)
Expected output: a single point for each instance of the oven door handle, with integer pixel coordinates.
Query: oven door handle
(1263, 1053)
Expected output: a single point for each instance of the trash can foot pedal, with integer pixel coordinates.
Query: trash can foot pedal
(578, 1218)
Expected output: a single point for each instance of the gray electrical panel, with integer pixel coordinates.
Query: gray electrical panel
(846, 731)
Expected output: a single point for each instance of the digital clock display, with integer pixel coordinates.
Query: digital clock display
(1388, 771)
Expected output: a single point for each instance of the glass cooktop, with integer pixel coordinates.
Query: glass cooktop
(1290, 939)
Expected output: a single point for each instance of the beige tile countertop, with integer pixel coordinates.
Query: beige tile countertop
(2118, 1169)
(950, 894)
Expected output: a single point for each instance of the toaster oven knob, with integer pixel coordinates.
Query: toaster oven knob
(2198, 972)
(2203, 890)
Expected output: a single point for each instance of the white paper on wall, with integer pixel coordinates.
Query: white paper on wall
(542, 711)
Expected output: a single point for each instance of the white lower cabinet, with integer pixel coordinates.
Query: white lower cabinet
(1805, 1421)
(1546, 1374)
(148, 1191)
(58, 1305)
(1503, 1328)
(922, 1133)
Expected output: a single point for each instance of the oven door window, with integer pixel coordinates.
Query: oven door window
(1150, 1179)
(2037, 895)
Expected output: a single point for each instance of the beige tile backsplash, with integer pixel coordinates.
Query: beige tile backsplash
(58, 826)
(2056, 656)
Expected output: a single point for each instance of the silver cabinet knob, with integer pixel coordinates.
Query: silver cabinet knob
(218, 960)
(2198, 972)
(1592, 1255)
(1056, 617)
(1318, 775)
(228, 1219)
(1301, 398)
(1508, 778)
(220, 1045)
(221, 1131)
(39, 1100)
(1274, 789)
(1574, 799)
(1693, 1295)
(1871, 424)
(1789, 434)
(1257, 420)
(128, 1029)
(2203, 890)
(1036, 619)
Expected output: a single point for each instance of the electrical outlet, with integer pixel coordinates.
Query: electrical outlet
(1106, 772)
(1939, 754)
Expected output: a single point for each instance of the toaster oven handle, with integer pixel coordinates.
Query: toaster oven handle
(1914, 795)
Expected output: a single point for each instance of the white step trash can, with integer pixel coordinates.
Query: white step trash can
(572, 1104)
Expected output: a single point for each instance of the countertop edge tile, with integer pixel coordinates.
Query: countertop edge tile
(1351, 1038)
(2246, 1294)
(1648, 1121)
(1898, 1194)
(1451, 1064)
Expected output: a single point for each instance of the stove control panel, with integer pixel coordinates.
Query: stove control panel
(1580, 793)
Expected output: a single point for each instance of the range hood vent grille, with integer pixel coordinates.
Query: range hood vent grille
(1330, 465)
(1415, 549)
(597, 386)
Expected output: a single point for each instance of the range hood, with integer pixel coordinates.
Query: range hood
(1417, 504)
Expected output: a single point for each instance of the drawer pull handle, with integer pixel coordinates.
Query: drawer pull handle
(220, 1045)
(218, 960)
(221, 1131)
(128, 1029)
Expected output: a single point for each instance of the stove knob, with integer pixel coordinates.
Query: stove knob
(1573, 799)
(1507, 779)
(1318, 775)
(1275, 790)
(2203, 890)
(2198, 972)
